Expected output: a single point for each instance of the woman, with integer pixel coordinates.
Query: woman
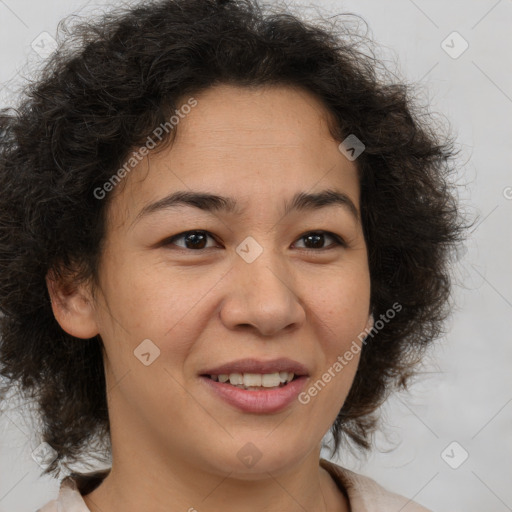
(223, 235)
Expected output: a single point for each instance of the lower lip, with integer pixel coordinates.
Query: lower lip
(264, 401)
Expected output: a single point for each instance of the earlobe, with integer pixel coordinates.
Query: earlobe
(72, 307)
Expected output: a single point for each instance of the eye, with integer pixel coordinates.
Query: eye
(194, 240)
(197, 240)
(317, 239)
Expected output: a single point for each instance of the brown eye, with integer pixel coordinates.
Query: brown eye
(316, 239)
(194, 240)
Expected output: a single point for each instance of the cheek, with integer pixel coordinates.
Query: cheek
(343, 305)
(146, 300)
(342, 309)
(154, 305)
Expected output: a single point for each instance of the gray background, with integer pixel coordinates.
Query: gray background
(464, 393)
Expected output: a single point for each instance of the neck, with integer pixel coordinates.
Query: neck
(132, 488)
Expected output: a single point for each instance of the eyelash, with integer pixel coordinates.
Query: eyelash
(338, 241)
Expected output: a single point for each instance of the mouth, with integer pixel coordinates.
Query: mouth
(254, 381)
(255, 374)
(256, 386)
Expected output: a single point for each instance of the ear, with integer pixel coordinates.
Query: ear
(72, 306)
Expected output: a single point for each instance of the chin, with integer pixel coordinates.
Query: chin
(255, 459)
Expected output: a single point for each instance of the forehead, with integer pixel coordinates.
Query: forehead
(257, 144)
(264, 112)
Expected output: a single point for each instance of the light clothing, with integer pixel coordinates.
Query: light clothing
(364, 494)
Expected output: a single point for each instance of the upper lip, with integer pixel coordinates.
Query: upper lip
(282, 364)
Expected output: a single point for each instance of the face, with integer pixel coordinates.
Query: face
(186, 289)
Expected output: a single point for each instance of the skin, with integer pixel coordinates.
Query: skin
(174, 443)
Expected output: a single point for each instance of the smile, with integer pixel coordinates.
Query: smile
(255, 381)
(256, 399)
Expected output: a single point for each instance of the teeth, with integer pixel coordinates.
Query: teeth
(267, 380)
(236, 378)
(253, 379)
(270, 380)
(285, 376)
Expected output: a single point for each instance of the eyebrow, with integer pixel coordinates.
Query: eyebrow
(301, 201)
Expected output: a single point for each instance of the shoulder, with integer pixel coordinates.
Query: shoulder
(71, 490)
(366, 495)
(69, 500)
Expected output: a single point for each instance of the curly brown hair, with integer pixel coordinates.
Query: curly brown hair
(102, 93)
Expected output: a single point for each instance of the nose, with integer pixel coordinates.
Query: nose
(263, 296)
